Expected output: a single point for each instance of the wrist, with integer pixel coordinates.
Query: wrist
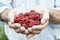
(4, 14)
(54, 16)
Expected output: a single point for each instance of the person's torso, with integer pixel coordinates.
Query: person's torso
(28, 4)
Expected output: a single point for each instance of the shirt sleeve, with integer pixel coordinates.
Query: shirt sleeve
(5, 4)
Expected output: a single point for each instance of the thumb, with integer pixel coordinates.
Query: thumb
(43, 20)
(12, 20)
(11, 16)
(45, 16)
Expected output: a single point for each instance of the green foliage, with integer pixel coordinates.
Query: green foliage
(2, 33)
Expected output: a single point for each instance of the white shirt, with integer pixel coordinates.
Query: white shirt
(27, 5)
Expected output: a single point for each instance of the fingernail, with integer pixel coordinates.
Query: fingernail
(29, 29)
(17, 30)
(22, 28)
(17, 25)
(26, 32)
(10, 24)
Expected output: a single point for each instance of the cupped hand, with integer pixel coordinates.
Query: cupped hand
(16, 26)
(44, 21)
(30, 32)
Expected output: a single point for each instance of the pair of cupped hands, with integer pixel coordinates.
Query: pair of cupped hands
(30, 32)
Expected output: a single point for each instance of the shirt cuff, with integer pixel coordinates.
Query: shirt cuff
(3, 8)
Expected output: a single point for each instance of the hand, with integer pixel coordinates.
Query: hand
(54, 16)
(4, 14)
(16, 26)
(31, 31)
(44, 21)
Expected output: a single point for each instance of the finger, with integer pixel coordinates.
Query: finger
(17, 31)
(11, 15)
(26, 32)
(37, 27)
(43, 20)
(10, 24)
(36, 32)
(22, 29)
(40, 27)
(30, 29)
(30, 35)
(12, 20)
(45, 16)
(16, 25)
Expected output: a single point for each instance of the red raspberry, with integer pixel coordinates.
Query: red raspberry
(24, 25)
(28, 19)
(32, 11)
(25, 20)
(37, 17)
(21, 15)
(36, 22)
(26, 14)
(20, 22)
(31, 23)
(31, 17)
(16, 19)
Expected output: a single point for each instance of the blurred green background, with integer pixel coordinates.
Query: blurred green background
(2, 33)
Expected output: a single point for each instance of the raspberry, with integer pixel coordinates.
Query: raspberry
(28, 19)
(32, 11)
(31, 23)
(37, 17)
(26, 14)
(16, 19)
(36, 23)
(20, 22)
(31, 17)
(25, 20)
(21, 14)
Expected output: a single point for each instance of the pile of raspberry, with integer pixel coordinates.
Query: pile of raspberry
(28, 19)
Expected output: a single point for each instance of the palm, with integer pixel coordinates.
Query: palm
(30, 31)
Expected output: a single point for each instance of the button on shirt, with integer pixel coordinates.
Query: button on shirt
(27, 5)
